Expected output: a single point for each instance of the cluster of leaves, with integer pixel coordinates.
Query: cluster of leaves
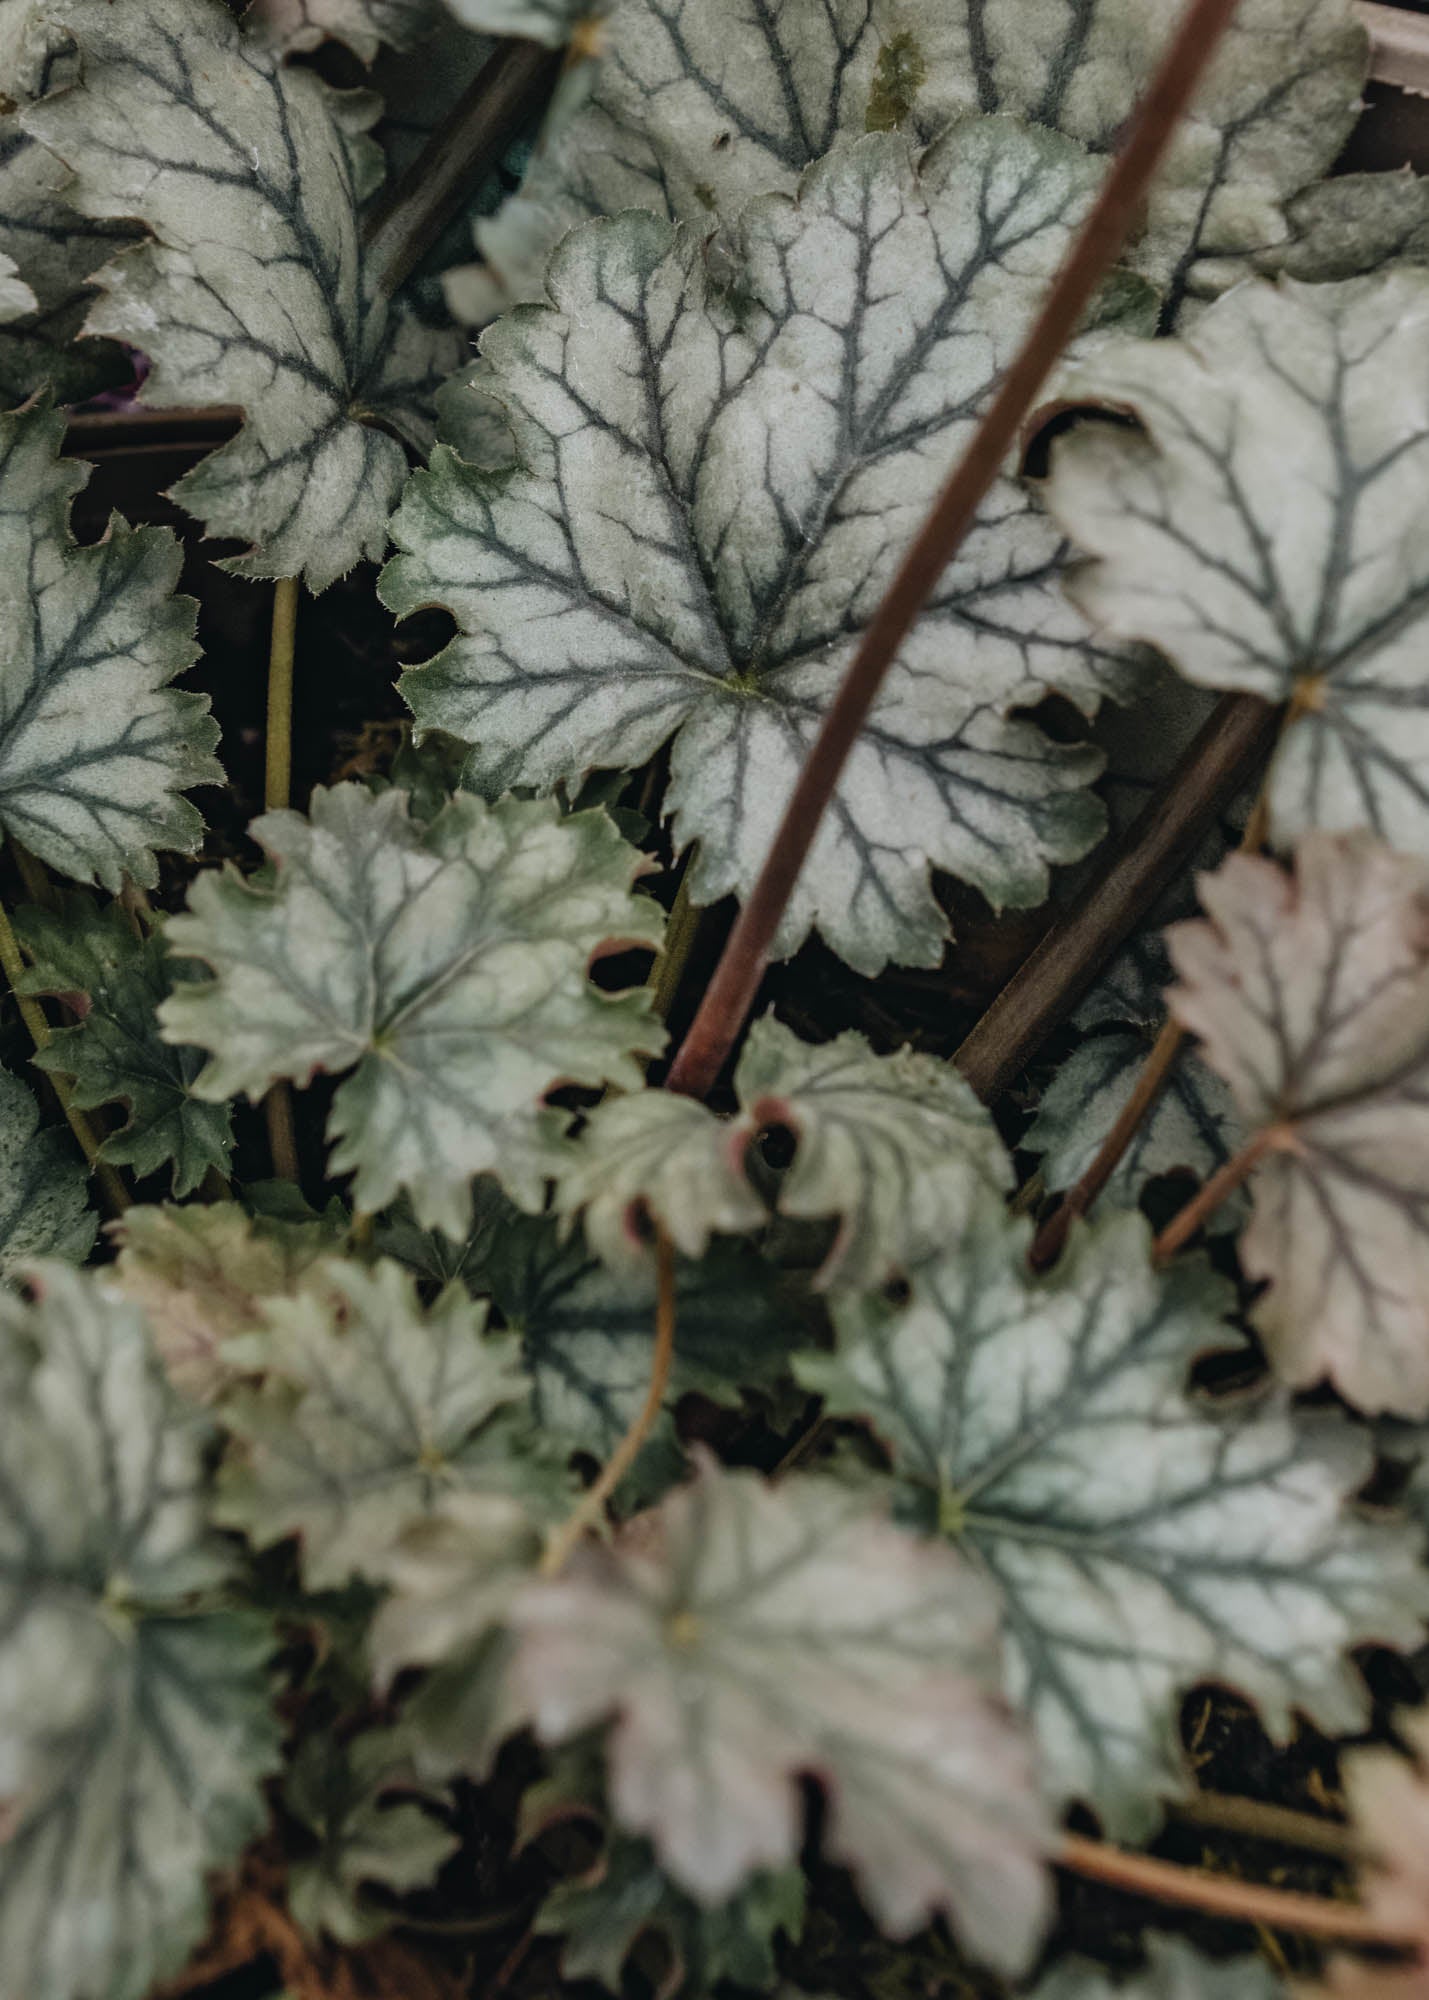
(283, 1484)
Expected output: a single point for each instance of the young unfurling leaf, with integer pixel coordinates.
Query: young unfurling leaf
(135, 1729)
(96, 748)
(1311, 997)
(445, 965)
(250, 174)
(743, 1634)
(1261, 529)
(114, 1052)
(43, 1207)
(1141, 1541)
(718, 467)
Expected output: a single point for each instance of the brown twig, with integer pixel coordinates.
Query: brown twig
(1242, 1902)
(1255, 1819)
(731, 992)
(505, 96)
(1209, 1196)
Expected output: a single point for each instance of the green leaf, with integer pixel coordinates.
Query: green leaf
(372, 1408)
(1311, 998)
(341, 1792)
(249, 175)
(202, 1274)
(444, 964)
(135, 1728)
(116, 981)
(676, 127)
(797, 1630)
(1353, 223)
(718, 469)
(1142, 1541)
(1174, 1971)
(95, 746)
(44, 1207)
(1253, 529)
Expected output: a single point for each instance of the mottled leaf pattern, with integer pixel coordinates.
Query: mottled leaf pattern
(797, 1630)
(1317, 391)
(249, 174)
(134, 1721)
(717, 472)
(95, 746)
(44, 1209)
(371, 1408)
(1311, 996)
(445, 965)
(1354, 223)
(117, 981)
(1141, 1542)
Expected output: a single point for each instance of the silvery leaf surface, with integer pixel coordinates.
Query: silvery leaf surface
(96, 748)
(1259, 528)
(371, 1408)
(1142, 1542)
(798, 1629)
(1351, 224)
(718, 469)
(44, 1205)
(444, 964)
(135, 1727)
(1310, 994)
(250, 175)
(113, 1053)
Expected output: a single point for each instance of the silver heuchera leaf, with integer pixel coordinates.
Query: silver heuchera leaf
(44, 1209)
(800, 1631)
(113, 1052)
(249, 175)
(715, 478)
(1141, 1542)
(1261, 529)
(135, 1729)
(1174, 1971)
(444, 965)
(696, 109)
(1311, 998)
(371, 1408)
(95, 746)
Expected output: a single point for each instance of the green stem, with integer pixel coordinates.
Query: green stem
(278, 769)
(681, 930)
(282, 1135)
(32, 1014)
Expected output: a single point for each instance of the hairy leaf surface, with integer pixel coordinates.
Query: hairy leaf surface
(95, 746)
(445, 965)
(44, 1207)
(798, 1631)
(1141, 1541)
(717, 472)
(117, 982)
(1311, 996)
(134, 1721)
(698, 107)
(249, 174)
(373, 1406)
(1260, 529)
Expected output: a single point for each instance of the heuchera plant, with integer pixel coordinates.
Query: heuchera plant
(584, 1401)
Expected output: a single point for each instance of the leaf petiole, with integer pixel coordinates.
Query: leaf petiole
(1209, 1196)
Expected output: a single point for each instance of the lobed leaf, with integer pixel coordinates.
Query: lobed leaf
(443, 964)
(115, 981)
(1141, 1541)
(249, 175)
(44, 1206)
(135, 1728)
(95, 746)
(1311, 997)
(718, 467)
(1257, 529)
(800, 1632)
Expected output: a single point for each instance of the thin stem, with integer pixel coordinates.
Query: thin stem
(1229, 1813)
(282, 1135)
(278, 768)
(681, 930)
(111, 1188)
(1209, 1196)
(1242, 1902)
(731, 992)
(591, 1505)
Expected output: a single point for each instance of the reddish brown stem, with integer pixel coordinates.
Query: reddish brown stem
(731, 992)
(1209, 1196)
(1245, 1902)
